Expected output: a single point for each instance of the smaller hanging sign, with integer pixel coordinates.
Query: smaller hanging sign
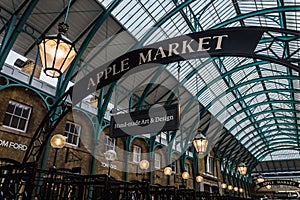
(153, 120)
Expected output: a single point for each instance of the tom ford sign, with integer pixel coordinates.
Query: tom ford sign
(12, 145)
(221, 42)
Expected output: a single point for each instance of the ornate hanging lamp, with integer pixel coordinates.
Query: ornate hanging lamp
(200, 143)
(57, 52)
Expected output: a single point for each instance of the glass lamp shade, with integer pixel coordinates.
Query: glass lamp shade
(110, 155)
(224, 186)
(56, 52)
(185, 175)
(58, 141)
(144, 164)
(230, 187)
(260, 179)
(236, 189)
(242, 168)
(168, 171)
(268, 187)
(241, 190)
(199, 179)
(200, 143)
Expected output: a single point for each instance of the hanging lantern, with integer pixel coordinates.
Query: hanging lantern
(260, 179)
(223, 185)
(168, 171)
(242, 168)
(57, 52)
(200, 143)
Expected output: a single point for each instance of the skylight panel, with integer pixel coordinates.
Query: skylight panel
(257, 99)
(206, 97)
(134, 22)
(216, 108)
(283, 155)
(143, 28)
(126, 13)
(158, 35)
(105, 3)
(225, 10)
(239, 75)
(280, 96)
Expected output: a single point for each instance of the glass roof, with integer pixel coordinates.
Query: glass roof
(260, 104)
(256, 99)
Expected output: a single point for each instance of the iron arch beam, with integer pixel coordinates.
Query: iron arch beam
(279, 143)
(38, 141)
(15, 29)
(265, 126)
(291, 135)
(254, 106)
(43, 96)
(288, 77)
(43, 132)
(255, 94)
(266, 119)
(277, 148)
(98, 23)
(262, 127)
(257, 13)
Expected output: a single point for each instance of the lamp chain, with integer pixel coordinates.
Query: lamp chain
(67, 12)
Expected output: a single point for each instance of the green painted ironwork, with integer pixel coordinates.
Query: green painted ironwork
(15, 29)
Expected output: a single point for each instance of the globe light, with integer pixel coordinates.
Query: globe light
(199, 179)
(223, 185)
(168, 171)
(241, 190)
(230, 187)
(236, 189)
(110, 155)
(58, 141)
(185, 175)
(144, 164)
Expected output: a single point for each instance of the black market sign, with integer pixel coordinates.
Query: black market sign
(280, 182)
(238, 41)
(154, 120)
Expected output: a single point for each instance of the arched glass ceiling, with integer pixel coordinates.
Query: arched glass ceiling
(257, 101)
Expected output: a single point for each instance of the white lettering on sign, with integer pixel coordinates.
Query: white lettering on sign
(13, 145)
(103, 164)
